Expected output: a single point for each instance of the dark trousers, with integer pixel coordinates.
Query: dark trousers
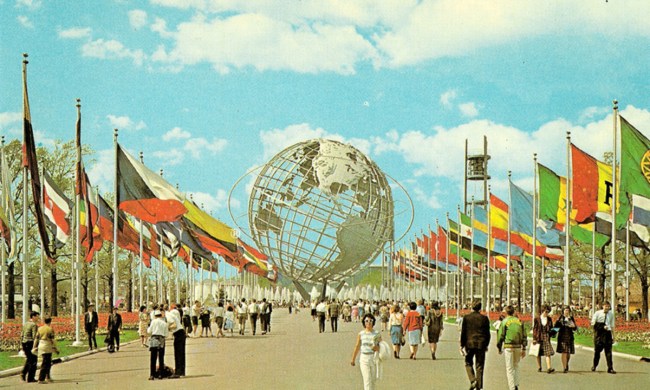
(480, 363)
(607, 347)
(179, 352)
(321, 323)
(45, 367)
(334, 321)
(253, 318)
(115, 336)
(29, 369)
(91, 339)
(156, 354)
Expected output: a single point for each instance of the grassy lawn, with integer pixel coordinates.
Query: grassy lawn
(9, 359)
(629, 347)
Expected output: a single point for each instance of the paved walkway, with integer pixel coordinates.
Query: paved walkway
(295, 356)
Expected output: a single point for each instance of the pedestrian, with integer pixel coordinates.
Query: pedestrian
(158, 330)
(27, 339)
(512, 342)
(229, 319)
(474, 342)
(413, 325)
(143, 324)
(367, 344)
(218, 318)
(333, 311)
(242, 315)
(313, 311)
(45, 344)
(383, 316)
(196, 311)
(268, 313)
(321, 311)
(91, 322)
(565, 340)
(603, 325)
(114, 327)
(173, 318)
(187, 319)
(253, 314)
(395, 320)
(354, 312)
(434, 327)
(542, 329)
(205, 322)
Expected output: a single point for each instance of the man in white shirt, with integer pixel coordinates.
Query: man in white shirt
(321, 311)
(173, 316)
(253, 312)
(158, 330)
(603, 324)
(242, 315)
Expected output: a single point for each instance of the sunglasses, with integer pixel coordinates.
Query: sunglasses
(367, 321)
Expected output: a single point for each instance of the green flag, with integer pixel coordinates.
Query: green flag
(635, 169)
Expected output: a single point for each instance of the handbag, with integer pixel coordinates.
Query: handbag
(534, 349)
(172, 326)
(402, 340)
(554, 332)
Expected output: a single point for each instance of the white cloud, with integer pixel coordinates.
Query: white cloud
(447, 98)
(590, 113)
(215, 202)
(430, 199)
(111, 49)
(31, 5)
(275, 140)
(24, 21)
(102, 173)
(265, 43)
(75, 33)
(173, 156)
(196, 145)
(9, 118)
(125, 123)
(137, 18)
(468, 109)
(176, 133)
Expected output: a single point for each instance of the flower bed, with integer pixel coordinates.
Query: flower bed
(64, 327)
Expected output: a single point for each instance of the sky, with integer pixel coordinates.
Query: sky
(210, 89)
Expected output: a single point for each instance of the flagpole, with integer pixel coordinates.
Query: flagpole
(115, 223)
(567, 235)
(3, 257)
(201, 279)
(40, 272)
(627, 270)
(471, 255)
(534, 273)
(447, 270)
(614, 203)
(459, 260)
(25, 231)
(508, 265)
(99, 205)
(593, 269)
(489, 254)
(77, 304)
(141, 267)
(437, 266)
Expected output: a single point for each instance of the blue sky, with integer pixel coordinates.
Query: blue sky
(209, 89)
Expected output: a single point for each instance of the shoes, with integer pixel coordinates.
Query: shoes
(539, 369)
(395, 354)
(566, 370)
(433, 355)
(550, 370)
(611, 371)
(174, 376)
(411, 357)
(472, 385)
(593, 368)
(151, 378)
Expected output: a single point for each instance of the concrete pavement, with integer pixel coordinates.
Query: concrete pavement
(295, 356)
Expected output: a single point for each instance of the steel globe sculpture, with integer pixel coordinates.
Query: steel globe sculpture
(321, 210)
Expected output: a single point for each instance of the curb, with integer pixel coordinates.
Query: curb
(591, 349)
(18, 370)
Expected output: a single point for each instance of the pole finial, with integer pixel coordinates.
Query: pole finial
(25, 55)
(615, 104)
(141, 157)
(161, 171)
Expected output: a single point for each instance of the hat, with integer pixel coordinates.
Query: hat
(157, 313)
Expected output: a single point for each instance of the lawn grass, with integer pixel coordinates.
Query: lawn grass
(10, 359)
(628, 347)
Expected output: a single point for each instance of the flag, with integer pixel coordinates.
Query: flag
(57, 210)
(552, 195)
(635, 169)
(144, 194)
(7, 208)
(592, 187)
(480, 226)
(30, 162)
(88, 215)
(465, 230)
(257, 262)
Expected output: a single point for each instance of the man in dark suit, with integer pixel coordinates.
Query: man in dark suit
(114, 327)
(474, 341)
(91, 322)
